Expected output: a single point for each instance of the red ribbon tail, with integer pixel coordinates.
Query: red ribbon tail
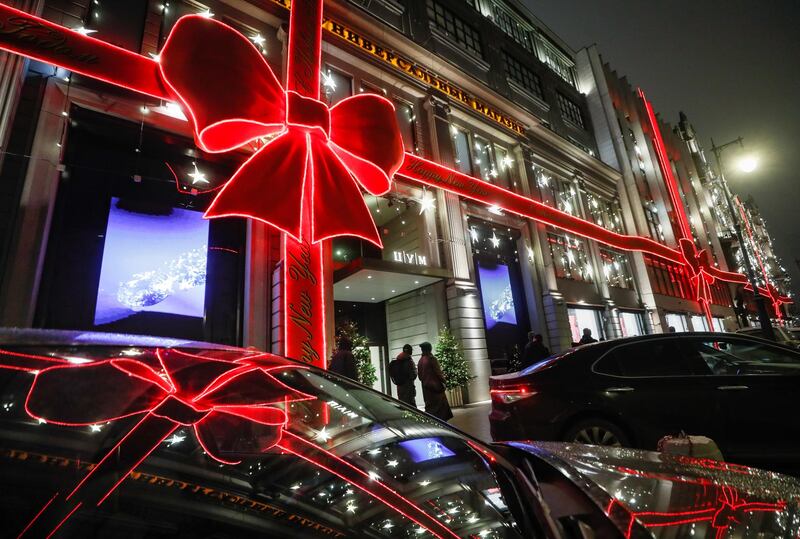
(104, 478)
(269, 186)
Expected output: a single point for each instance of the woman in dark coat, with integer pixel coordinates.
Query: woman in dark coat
(343, 361)
(430, 374)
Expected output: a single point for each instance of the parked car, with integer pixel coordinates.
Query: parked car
(740, 391)
(784, 336)
(121, 436)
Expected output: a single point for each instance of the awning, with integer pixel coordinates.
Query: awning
(370, 280)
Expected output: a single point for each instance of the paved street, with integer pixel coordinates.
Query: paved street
(473, 419)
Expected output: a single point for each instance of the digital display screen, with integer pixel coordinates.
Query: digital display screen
(152, 262)
(496, 295)
(422, 449)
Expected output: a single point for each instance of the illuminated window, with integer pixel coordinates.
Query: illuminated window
(455, 27)
(653, 220)
(570, 257)
(616, 268)
(513, 27)
(479, 157)
(523, 76)
(570, 111)
(555, 59)
(335, 85)
(407, 121)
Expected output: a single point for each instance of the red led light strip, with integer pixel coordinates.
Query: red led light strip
(721, 514)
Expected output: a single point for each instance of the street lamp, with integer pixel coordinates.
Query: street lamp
(747, 164)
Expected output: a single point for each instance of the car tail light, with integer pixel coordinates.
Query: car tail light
(509, 395)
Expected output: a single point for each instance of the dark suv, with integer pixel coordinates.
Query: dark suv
(740, 391)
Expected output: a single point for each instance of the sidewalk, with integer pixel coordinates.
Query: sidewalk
(473, 419)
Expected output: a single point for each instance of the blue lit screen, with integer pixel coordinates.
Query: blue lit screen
(152, 262)
(422, 449)
(496, 295)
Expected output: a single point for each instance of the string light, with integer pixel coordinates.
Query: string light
(327, 81)
(426, 202)
(197, 176)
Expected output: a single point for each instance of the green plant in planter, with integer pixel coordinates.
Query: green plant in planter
(451, 360)
(366, 370)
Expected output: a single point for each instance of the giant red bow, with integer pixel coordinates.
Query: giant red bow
(697, 264)
(233, 97)
(220, 399)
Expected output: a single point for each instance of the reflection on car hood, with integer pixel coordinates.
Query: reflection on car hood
(677, 496)
(56, 337)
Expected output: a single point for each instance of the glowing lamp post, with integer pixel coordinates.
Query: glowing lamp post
(745, 164)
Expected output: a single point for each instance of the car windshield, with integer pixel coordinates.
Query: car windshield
(133, 442)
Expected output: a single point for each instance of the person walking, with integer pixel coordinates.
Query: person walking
(587, 337)
(343, 361)
(433, 389)
(534, 350)
(403, 372)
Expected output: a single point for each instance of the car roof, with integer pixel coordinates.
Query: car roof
(57, 337)
(601, 346)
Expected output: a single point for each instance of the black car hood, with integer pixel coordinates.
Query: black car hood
(676, 496)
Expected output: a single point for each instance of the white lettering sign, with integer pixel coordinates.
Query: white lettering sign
(410, 258)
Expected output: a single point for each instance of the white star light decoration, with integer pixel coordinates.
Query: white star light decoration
(197, 176)
(495, 240)
(427, 202)
(82, 30)
(174, 439)
(327, 81)
(323, 435)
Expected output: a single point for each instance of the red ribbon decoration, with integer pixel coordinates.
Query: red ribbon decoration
(233, 97)
(697, 264)
(221, 400)
(215, 397)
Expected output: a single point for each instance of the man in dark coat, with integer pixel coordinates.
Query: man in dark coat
(430, 374)
(403, 372)
(534, 351)
(343, 361)
(587, 337)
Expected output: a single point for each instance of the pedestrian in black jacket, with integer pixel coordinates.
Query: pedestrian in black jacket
(343, 361)
(534, 351)
(403, 372)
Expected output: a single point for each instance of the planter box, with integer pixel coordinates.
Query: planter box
(455, 397)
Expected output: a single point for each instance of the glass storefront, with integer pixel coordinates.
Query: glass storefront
(631, 323)
(677, 321)
(581, 318)
(132, 253)
(499, 278)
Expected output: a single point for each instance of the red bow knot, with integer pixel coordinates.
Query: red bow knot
(325, 154)
(697, 264)
(219, 399)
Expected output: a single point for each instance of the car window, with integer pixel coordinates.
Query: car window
(285, 451)
(651, 358)
(745, 357)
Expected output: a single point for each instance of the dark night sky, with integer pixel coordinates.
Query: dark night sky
(733, 66)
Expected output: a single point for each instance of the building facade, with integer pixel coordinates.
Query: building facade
(624, 131)
(103, 190)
